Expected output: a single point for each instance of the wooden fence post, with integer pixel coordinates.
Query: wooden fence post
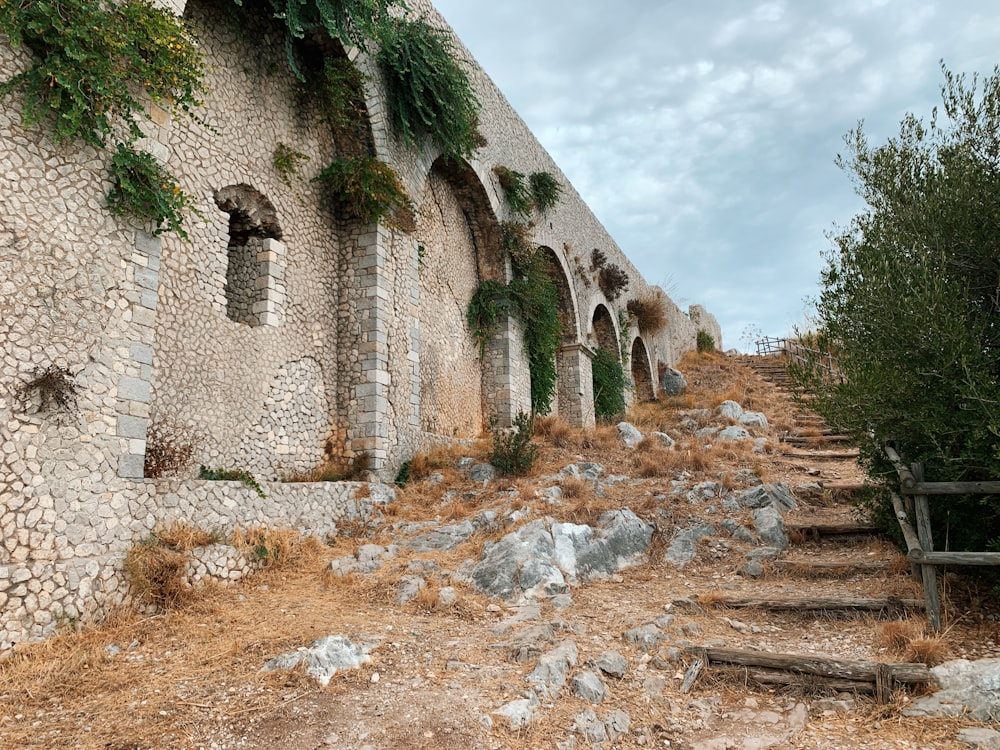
(927, 571)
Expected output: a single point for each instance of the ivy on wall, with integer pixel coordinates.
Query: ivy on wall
(429, 93)
(532, 298)
(539, 192)
(609, 385)
(369, 190)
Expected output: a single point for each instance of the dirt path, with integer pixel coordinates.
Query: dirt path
(190, 678)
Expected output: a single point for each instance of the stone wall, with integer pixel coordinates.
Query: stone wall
(279, 336)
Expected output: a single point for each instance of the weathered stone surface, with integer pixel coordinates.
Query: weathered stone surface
(588, 687)
(518, 713)
(664, 439)
(549, 675)
(629, 434)
(325, 657)
(617, 724)
(770, 527)
(673, 383)
(682, 546)
(498, 573)
(980, 737)
(442, 538)
(729, 410)
(622, 540)
(482, 473)
(971, 687)
(734, 433)
(753, 419)
(612, 664)
(647, 637)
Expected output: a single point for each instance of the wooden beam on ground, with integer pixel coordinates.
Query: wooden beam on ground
(812, 604)
(806, 669)
(808, 567)
(817, 530)
(983, 559)
(820, 455)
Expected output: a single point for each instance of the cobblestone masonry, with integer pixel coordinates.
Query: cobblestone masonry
(315, 337)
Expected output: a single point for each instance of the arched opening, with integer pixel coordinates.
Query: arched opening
(608, 376)
(458, 241)
(603, 327)
(255, 257)
(642, 371)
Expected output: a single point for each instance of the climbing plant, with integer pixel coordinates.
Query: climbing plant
(142, 189)
(428, 91)
(609, 385)
(545, 190)
(91, 61)
(532, 298)
(369, 190)
(515, 189)
(353, 22)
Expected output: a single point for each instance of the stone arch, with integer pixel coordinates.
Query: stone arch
(458, 240)
(255, 257)
(602, 326)
(567, 297)
(642, 371)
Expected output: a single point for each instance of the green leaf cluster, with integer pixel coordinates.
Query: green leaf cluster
(911, 301)
(353, 22)
(609, 385)
(92, 57)
(704, 342)
(428, 90)
(369, 190)
(532, 298)
(513, 453)
(540, 191)
(142, 189)
(232, 475)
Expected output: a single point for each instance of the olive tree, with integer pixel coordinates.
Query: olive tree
(910, 300)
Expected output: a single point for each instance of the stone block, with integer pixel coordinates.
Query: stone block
(131, 427)
(133, 389)
(130, 466)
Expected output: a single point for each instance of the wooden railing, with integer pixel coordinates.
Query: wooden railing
(795, 352)
(912, 502)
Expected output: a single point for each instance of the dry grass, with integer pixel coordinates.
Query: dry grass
(650, 311)
(575, 488)
(556, 431)
(929, 650)
(896, 635)
(335, 469)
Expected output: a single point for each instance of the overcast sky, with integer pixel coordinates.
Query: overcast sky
(703, 134)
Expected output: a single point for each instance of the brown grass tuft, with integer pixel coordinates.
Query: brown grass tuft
(556, 431)
(650, 311)
(929, 650)
(898, 634)
(575, 488)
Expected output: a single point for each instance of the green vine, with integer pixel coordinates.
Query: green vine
(353, 22)
(143, 190)
(428, 91)
(515, 190)
(369, 190)
(92, 57)
(287, 162)
(545, 191)
(232, 475)
(539, 192)
(532, 298)
(609, 385)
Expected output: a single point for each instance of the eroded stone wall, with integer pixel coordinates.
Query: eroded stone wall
(324, 338)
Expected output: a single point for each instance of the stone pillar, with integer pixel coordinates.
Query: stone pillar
(576, 384)
(506, 377)
(368, 430)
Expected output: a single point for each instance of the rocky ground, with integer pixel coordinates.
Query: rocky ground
(566, 609)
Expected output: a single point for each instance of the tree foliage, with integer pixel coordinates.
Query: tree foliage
(911, 300)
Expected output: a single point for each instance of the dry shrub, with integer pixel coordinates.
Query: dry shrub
(601, 438)
(168, 449)
(575, 488)
(650, 311)
(898, 634)
(428, 598)
(156, 575)
(929, 650)
(556, 431)
(656, 462)
(335, 469)
(275, 547)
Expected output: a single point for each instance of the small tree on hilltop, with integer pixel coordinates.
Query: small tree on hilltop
(911, 300)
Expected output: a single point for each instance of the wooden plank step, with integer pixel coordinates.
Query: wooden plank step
(820, 455)
(807, 670)
(821, 604)
(815, 439)
(821, 568)
(817, 530)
